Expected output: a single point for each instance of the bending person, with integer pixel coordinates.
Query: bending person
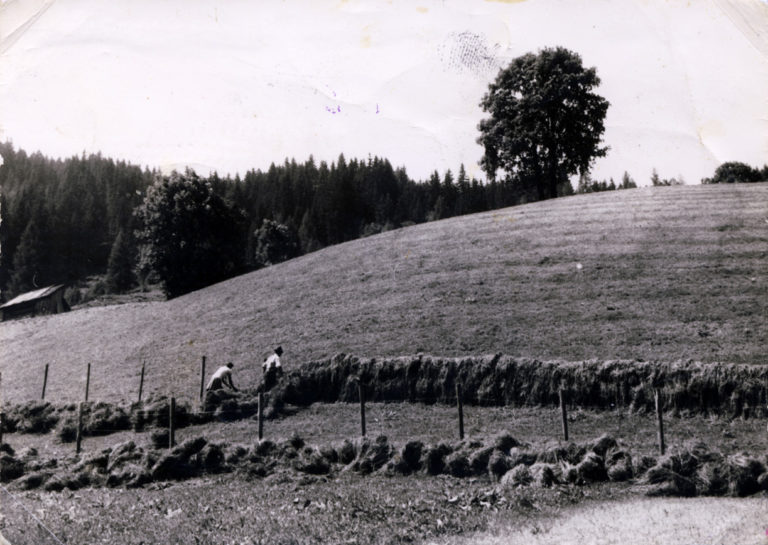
(222, 377)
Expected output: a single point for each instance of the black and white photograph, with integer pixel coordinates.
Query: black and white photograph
(384, 272)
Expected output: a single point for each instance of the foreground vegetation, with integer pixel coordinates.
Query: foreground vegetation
(279, 498)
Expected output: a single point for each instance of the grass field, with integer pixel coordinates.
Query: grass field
(659, 274)
(662, 273)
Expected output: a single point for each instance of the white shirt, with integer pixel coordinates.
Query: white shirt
(220, 373)
(272, 361)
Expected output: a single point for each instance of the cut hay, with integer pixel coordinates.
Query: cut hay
(504, 380)
(434, 459)
(498, 465)
(411, 455)
(457, 464)
(517, 476)
(543, 475)
(478, 460)
(602, 444)
(10, 468)
(591, 469)
(372, 456)
(519, 456)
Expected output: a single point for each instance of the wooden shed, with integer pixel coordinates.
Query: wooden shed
(48, 300)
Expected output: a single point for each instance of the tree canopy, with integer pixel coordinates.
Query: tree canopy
(545, 123)
(189, 236)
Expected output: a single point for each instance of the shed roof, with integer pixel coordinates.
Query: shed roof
(32, 295)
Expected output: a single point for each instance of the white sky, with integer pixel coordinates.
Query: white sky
(239, 84)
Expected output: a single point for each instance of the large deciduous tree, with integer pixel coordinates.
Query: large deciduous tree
(190, 236)
(545, 124)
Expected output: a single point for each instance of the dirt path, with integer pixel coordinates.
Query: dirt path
(696, 521)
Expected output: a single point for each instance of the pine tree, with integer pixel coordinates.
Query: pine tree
(120, 275)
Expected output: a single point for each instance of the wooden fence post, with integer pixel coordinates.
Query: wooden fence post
(45, 381)
(87, 381)
(460, 405)
(564, 414)
(171, 427)
(361, 392)
(261, 415)
(660, 419)
(79, 436)
(141, 380)
(202, 380)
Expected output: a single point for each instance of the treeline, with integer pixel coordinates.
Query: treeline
(63, 220)
(61, 217)
(735, 172)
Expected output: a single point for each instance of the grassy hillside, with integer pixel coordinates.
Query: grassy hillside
(661, 273)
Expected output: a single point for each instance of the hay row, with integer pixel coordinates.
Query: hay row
(506, 463)
(731, 389)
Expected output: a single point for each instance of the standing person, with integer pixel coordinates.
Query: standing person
(272, 368)
(222, 377)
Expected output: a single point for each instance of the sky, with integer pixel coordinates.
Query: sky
(235, 85)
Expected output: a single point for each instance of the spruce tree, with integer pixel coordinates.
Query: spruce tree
(120, 275)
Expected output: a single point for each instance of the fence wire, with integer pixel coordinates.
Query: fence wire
(19, 526)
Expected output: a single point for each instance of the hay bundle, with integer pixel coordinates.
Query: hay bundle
(434, 460)
(347, 452)
(478, 460)
(234, 453)
(519, 456)
(762, 481)
(264, 448)
(517, 476)
(130, 476)
(553, 454)
(618, 464)
(643, 464)
(330, 454)
(411, 455)
(172, 466)
(313, 463)
(543, 474)
(211, 457)
(67, 429)
(32, 417)
(743, 472)
(457, 464)
(190, 447)
(712, 479)
(34, 480)
(568, 472)
(591, 468)
(602, 444)
(373, 456)
(160, 438)
(104, 418)
(498, 465)
(504, 442)
(10, 468)
(398, 466)
(122, 453)
(96, 461)
(8, 449)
